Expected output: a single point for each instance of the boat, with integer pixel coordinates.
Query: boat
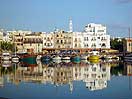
(128, 57)
(46, 58)
(38, 57)
(57, 60)
(94, 61)
(65, 58)
(94, 55)
(66, 61)
(15, 59)
(56, 57)
(6, 63)
(76, 57)
(84, 57)
(29, 59)
(6, 56)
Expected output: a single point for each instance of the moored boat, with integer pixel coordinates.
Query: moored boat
(84, 57)
(76, 58)
(94, 55)
(65, 58)
(6, 63)
(56, 58)
(15, 59)
(46, 58)
(29, 59)
(6, 56)
(128, 57)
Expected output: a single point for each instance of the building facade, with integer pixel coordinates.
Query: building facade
(48, 40)
(95, 37)
(63, 39)
(128, 45)
(33, 42)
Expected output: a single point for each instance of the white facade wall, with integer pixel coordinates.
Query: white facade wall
(48, 40)
(95, 36)
(1, 36)
(78, 40)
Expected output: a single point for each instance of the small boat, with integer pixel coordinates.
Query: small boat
(76, 59)
(65, 58)
(57, 61)
(29, 59)
(46, 58)
(94, 55)
(128, 57)
(56, 58)
(6, 63)
(94, 61)
(15, 59)
(66, 61)
(84, 57)
(6, 56)
(38, 57)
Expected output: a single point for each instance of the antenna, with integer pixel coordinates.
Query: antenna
(70, 26)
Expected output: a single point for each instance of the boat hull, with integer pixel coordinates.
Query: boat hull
(94, 57)
(29, 60)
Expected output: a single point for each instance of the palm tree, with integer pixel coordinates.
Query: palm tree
(7, 46)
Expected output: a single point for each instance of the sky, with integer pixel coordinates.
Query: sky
(46, 15)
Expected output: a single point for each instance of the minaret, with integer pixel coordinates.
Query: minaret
(70, 26)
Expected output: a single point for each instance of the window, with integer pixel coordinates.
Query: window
(100, 30)
(57, 41)
(75, 39)
(61, 41)
(45, 44)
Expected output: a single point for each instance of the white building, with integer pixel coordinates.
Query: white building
(77, 40)
(95, 37)
(1, 35)
(48, 40)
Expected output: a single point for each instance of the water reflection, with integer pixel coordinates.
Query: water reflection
(91, 76)
(94, 75)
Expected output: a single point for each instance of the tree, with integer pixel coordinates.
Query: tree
(117, 44)
(7, 46)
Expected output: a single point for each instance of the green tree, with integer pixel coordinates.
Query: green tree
(117, 44)
(7, 46)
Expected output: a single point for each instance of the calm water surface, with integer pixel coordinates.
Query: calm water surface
(62, 80)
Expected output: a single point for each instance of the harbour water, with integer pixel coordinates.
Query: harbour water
(67, 80)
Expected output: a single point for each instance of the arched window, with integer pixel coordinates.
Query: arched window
(103, 45)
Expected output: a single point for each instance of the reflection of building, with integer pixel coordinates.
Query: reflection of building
(78, 73)
(96, 76)
(1, 79)
(62, 75)
(128, 69)
(48, 74)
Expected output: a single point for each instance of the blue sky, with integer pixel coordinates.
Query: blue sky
(45, 15)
